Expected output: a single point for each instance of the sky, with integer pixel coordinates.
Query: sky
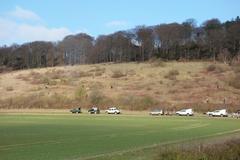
(51, 20)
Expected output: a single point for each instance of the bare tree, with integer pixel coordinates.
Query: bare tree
(146, 41)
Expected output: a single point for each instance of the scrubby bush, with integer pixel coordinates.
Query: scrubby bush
(236, 68)
(172, 74)
(136, 102)
(96, 97)
(146, 102)
(235, 81)
(80, 74)
(211, 68)
(118, 74)
(9, 88)
(96, 86)
(157, 62)
(80, 93)
(131, 72)
(35, 75)
(42, 101)
(98, 69)
(218, 151)
(48, 81)
(55, 74)
(5, 69)
(216, 68)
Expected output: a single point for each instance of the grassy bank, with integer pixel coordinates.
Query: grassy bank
(133, 86)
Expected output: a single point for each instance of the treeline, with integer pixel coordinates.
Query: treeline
(186, 41)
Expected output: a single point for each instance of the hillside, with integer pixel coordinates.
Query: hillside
(134, 86)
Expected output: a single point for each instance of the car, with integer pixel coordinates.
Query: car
(185, 112)
(94, 110)
(220, 113)
(113, 110)
(156, 112)
(76, 110)
(236, 114)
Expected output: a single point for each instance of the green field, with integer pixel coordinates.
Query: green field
(70, 137)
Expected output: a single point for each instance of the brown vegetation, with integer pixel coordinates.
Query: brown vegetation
(172, 74)
(118, 74)
(218, 151)
(134, 86)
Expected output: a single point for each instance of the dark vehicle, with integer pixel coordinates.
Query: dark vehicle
(94, 110)
(76, 110)
(236, 114)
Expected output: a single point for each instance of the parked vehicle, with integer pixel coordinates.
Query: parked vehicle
(76, 110)
(185, 112)
(236, 114)
(94, 110)
(113, 110)
(156, 112)
(220, 113)
(209, 113)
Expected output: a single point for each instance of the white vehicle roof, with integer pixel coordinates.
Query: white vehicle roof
(183, 110)
(112, 108)
(219, 110)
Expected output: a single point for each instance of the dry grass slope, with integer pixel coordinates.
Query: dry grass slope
(135, 86)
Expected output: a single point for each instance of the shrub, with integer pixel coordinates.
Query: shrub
(81, 93)
(216, 68)
(157, 63)
(235, 81)
(236, 68)
(42, 101)
(80, 74)
(229, 149)
(172, 74)
(96, 97)
(118, 74)
(35, 75)
(172, 91)
(47, 78)
(211, 68)
(147, 102)
(98, 71)
(137, 103)
(23, 77)
(47, 81)
(67, 81)
(131, 72)
(55, 74)
(5, 69)
(96, 86)
(85, 74)
(9, 88)
(160, 82)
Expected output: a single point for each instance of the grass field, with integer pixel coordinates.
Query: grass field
(71, 137)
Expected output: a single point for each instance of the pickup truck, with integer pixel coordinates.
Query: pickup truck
(219, 113)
